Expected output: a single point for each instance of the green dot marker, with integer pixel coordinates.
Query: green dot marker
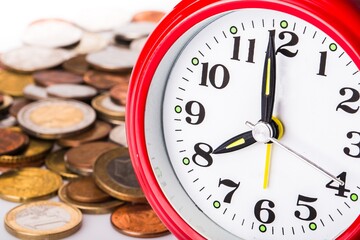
(195, 61)
(186, 161)
(313, 226)
(333, 47)
(284, 24)
(233, 30)
(178, 109)
(262, 228)
(354, 197)
(216, 204)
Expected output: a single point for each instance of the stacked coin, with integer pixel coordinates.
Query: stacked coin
(62, 103)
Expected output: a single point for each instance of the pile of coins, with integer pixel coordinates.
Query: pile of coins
(62, 129)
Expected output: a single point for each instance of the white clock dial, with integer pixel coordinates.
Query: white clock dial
(214, 87)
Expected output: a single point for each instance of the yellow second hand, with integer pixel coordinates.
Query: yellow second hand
(267, 165)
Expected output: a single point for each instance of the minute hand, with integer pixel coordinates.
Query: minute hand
(268, 83)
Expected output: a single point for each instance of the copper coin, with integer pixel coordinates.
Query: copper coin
(103, 80)
(99, 131)
(85, 190)
(81, 159)
(50, 77)
(118, 93)
(11, 141)
(148, 16)
(17, 105)
(77, 65)
(138, 220)
(5, 167)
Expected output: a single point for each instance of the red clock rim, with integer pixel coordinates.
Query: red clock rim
(336, 18)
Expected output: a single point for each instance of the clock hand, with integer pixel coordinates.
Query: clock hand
(238, 142)
(264, 135)
(269, 83)
(267, 165)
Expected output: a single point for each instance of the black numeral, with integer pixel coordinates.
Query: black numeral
(350, 135)
(229, 184)
(236, 51)
(311, 210)
(202, 155)
(197, 110)
(322, 67)
(294, 40)
(341, 190)
(355, 96)
(218, 76)
(263, 213)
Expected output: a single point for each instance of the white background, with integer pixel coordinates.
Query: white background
(14, 17)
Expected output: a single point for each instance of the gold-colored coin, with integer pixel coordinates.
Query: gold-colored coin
(114, 174)
(35, 151)
(55, 162)
(13, 83)
(43, 220)
(28, 184)
(89, 208)
(107, 110)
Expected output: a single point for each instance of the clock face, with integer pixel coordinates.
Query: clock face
(214, 76)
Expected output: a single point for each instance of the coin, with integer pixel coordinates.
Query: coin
(89, 208)
(55, 118)
(55, 162)
(12, 142)
(138, 220)
(133, 30)
(30, 59)
(51, 33)
(113, 59)
(35, 152)
(99, 131)
(13, 83)
(71, 91)
(107, 110)
(91, 42)
(77, 65)
(104, 80)
(118, 93)
(8, 121)
(28, 184)
(1, 99)
(43, 220)
(47, 78)
(138, 44)
(114, 173)
(7, 102)
(86, 191)
(17, 105)
(81, 159)
(118, 134)
(34, 92)
(148, 16)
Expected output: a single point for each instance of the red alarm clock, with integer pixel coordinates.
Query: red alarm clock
(243, 119)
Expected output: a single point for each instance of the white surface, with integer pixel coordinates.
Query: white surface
(14, 17)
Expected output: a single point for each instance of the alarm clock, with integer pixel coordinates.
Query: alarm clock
(243, 119)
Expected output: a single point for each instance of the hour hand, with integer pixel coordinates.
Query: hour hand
(269, 82)
(238, 142)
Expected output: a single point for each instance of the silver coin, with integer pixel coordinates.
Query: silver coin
(8, 121)
(52, 33)
(134, 30)
(113, 59)
(118, 134)
(30, 59)
(71, 91)
(55, 118)
(138, 44)
(91, 42)
(34, 92)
